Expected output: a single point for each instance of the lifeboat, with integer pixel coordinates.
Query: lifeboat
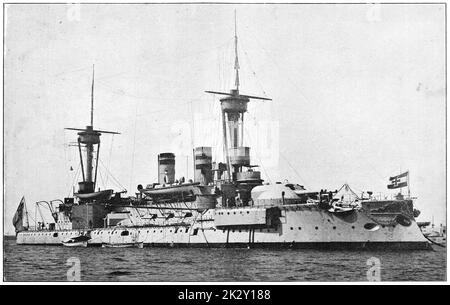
(79, 241)
(123, 245)
(100, 195)
(186, 189)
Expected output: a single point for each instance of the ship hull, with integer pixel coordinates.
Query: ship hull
(333, 246)
(300, 227)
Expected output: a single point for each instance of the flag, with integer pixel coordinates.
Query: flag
(18, 217)
(398, 181)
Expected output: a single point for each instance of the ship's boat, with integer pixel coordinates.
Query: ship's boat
(100, 195)
(123, 245)
(342, 210)
(185, 188)
(79, 241)
(71, 243)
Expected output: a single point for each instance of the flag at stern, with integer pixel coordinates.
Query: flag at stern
(398, 181)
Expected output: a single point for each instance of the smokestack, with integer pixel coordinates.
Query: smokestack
(166, 168)
(203, 165)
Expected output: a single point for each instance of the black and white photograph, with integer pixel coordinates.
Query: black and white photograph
(206, 142)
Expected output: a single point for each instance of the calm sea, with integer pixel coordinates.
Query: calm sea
(49, 263)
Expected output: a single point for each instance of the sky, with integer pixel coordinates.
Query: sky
(358, 94)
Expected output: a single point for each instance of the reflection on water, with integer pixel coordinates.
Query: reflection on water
(48, 263)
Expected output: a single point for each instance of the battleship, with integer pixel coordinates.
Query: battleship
(224, 204)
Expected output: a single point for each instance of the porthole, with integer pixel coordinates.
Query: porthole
(334, 228)
(353, 227)
(292, 228)
(317, 228)
(299, 228)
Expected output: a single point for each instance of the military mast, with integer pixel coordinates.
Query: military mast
(89, 137)
(233, 108)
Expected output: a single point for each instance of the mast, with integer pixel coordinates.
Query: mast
(89, 137)
(236, 61)
(233, 107)
(90, 145)
(92, 97)
(407, 182)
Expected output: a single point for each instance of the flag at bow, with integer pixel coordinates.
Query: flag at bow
(398, 181)
(20, 220)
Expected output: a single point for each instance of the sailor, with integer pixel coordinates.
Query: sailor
(239, 200)
(231, 202)
(399, 196)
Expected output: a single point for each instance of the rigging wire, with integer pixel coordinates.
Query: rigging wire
(274, 62)
(134, 147)
(73, 71)
(112, 176)
(278, 67)
(102, 179)
(258, 156)
(203, 230)
(110, 157)
(293, 168)
(253, 71)
(66, 147)
(75, 177)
